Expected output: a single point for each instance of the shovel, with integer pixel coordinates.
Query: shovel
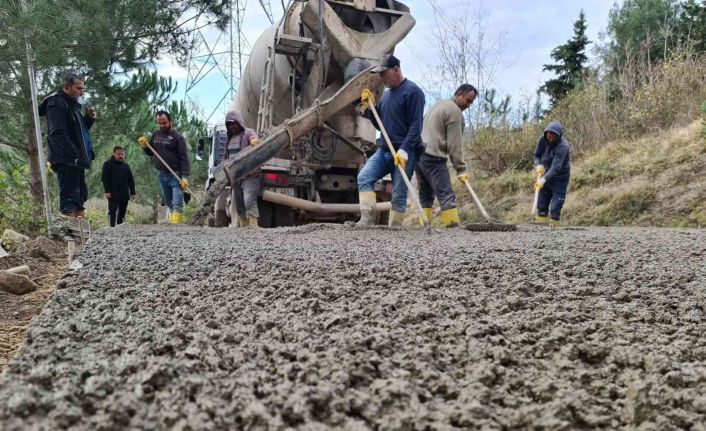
(411, 191)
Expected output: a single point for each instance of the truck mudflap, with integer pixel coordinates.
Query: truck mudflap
(234, 169)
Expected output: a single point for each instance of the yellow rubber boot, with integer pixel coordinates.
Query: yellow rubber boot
(554, 223)
(449, 218)
(541, 219)
(176, 218)
(367, 209)
(427, 212)
(396, 219)
(244, 222)
(253, 222)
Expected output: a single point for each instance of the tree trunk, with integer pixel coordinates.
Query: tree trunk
(35, 178)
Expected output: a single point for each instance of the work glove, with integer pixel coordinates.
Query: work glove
(183, 183)
(367, 98)
(142, 141)
(463, 177)
(539, 170)
(539, 184)
(254, 142)
(401, 158)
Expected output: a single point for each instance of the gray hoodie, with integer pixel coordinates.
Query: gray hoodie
(244, 138)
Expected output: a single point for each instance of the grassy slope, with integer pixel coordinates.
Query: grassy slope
(657, 180)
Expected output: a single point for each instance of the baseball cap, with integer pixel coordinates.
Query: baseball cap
(386, 62)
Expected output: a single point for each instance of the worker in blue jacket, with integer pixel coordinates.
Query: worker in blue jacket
(401, 110)
(552, 163)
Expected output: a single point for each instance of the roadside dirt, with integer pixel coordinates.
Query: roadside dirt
(333, 327)
(47, 261)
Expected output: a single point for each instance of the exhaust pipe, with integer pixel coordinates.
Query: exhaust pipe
(316, 207)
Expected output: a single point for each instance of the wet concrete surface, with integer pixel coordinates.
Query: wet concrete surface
(334, 327)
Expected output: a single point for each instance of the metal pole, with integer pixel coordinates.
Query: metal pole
(37, 131)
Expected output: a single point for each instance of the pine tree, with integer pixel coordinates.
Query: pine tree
(570, 58)
(691, 24)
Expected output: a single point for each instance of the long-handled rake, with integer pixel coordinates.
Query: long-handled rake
(410, 188)
(535, 202)
(156, 154)
(491, 225)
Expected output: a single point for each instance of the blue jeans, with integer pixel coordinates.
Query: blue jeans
(552, 197)
(171, 192)
(73, 192)
(381, 164)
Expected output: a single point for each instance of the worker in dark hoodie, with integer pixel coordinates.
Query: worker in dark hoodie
(70, 145)
(552, 164)
(118, 185)
(245, 192)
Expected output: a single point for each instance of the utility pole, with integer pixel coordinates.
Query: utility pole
(38, 131)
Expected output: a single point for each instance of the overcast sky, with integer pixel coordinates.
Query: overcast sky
(531, 29)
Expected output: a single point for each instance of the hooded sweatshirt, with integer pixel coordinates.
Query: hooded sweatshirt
(556, 157)
(237, 143)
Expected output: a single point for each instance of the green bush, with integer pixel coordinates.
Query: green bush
(16, 204)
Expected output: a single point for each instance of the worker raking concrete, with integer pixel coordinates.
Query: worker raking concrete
(172, 162)
(401, 110)
(244, 193)
(442, 135)
(552, 160)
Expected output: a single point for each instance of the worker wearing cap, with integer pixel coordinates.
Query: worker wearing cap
(401, 110)
(442, 135)
(244, 193)
(552, 160)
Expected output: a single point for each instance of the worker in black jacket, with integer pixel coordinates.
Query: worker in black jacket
(171, 147)
(118, 185)
(70, 145)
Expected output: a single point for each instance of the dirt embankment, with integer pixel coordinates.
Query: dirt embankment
(47, 261)
(333, 327)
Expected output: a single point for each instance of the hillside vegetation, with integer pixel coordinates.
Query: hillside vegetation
(638, 150)
(658, 179)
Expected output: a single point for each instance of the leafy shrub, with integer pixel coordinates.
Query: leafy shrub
(16, 204)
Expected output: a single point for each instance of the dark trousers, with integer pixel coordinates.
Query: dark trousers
(73, 192)
(434, 180)
(116, 211)
(552, 197)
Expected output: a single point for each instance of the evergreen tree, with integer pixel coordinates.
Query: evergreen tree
(691, 24)
(570, 58)
(645, 27)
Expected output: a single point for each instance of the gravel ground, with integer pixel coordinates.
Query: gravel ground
(321, 327)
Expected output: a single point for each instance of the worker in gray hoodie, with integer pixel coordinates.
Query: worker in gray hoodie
(552, 164)
(442, 135)
(245, 192)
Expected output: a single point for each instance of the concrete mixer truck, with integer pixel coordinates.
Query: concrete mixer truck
(312, 55)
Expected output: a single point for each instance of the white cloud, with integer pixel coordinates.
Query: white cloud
(167, 68)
